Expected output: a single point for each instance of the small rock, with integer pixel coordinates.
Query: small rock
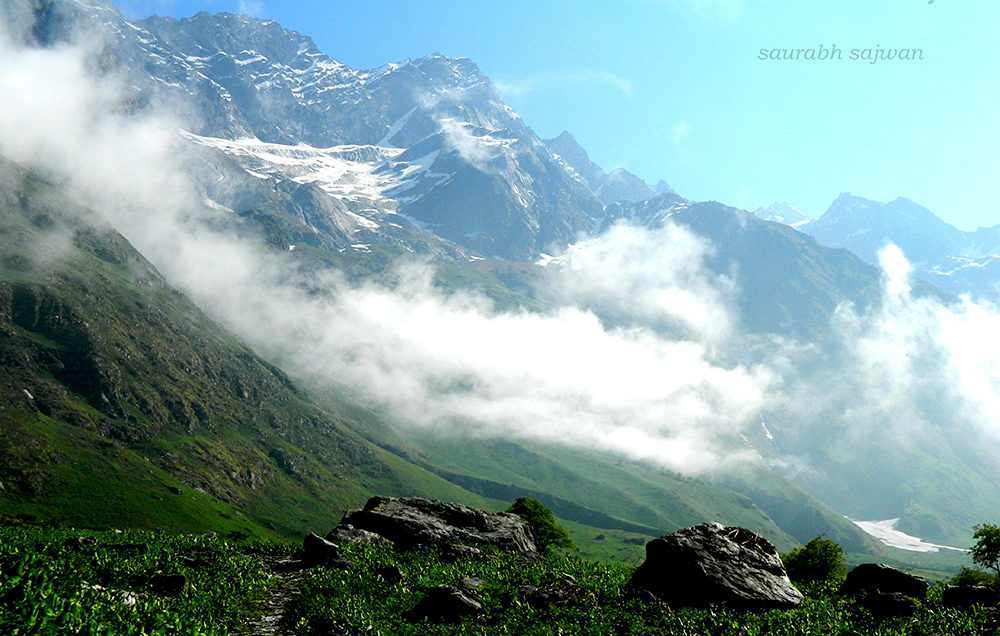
(447, 604)
(553, 595)
(349, 534)
(169, 584)
(391, 574)
(889, 605)
(175, 490)
(455, 551)
(341, 564)
(318, 550)
(77, 543)
(470, 584)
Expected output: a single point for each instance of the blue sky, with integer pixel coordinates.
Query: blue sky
(675, 89)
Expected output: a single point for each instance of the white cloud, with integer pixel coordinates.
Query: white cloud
(656, 279)
(252, 8)
(547, 81)
(461, 139)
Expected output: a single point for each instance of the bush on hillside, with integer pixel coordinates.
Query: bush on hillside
(543, 524)
(970, 576)
(819, 560)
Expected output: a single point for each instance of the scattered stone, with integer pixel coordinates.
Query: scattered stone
(124, 597)
(447, 604)
(391, 574)
(349, 534)
(970, 595)
(128, 548)
(711, 563)
(318, 550)
(877, 577)
(169, 584)
(548, 596)
(889, 605)
(198, 559)
(285, 566)
(174, 489)
(456, 551)
(341, 564)
(414, 522)
(470, 584)
(77, 543)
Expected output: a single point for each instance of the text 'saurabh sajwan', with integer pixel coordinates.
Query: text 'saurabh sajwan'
(832, 53)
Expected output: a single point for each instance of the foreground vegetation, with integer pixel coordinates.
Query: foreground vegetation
(56, 581)
(51, 582)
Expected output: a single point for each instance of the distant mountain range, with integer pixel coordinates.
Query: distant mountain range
(337, 168)
(941, 254)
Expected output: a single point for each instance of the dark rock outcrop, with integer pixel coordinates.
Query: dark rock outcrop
(414, 522)
(711, 563)
(970, 595)
(889, 605)
(876, 577)
(447, 604)
(169, 584)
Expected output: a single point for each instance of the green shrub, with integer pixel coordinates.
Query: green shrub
(543, 524)
(819, 560)
(969, 576)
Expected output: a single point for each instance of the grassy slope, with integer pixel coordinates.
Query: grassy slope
(114, 389)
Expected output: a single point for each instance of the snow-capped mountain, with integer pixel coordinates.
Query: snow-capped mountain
(618, 185)
(783, 213)
(428, 140)
(956, 261)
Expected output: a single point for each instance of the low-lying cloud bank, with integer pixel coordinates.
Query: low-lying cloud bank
(649, 380)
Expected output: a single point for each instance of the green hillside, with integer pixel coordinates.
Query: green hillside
(121, 404)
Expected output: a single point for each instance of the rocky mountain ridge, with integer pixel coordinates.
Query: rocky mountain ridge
(942, 255)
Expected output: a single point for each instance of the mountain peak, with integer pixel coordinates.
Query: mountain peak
(864, 226)
(780, 212)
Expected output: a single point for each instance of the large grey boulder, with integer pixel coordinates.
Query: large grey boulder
(711, 563)
(414, 522)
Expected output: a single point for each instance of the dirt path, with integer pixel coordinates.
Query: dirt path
(289, 574)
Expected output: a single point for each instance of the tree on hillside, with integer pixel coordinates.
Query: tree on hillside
(819, 560)
(543, 524)
(986, 551)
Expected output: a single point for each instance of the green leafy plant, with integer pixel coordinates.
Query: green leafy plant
(819, 560)
(543, 524)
